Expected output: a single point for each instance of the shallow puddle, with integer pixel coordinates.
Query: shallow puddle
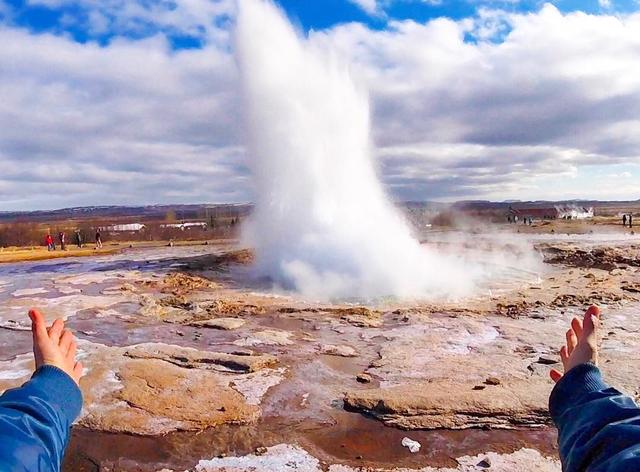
(354, 440)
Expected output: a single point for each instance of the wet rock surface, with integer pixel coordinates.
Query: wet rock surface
(604, 257)
(288, 458)
(153, 389)
(188, 359)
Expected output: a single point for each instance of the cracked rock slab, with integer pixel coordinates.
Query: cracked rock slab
(220, 323)
(193, 358)
(453, 405)
(154, 389)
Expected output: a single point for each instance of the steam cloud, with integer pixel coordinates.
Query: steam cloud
(322, 223)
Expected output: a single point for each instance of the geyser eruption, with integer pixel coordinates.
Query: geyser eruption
(322, 223)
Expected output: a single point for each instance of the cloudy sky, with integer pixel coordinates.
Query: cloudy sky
(137, 102)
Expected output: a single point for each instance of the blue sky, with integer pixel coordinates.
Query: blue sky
(138, 101)
(54, 15)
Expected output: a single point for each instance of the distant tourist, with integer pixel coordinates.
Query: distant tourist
(78, 237)
(624, 220)
(98, 240)
(48, 240)
(61, 237)
(630, 221)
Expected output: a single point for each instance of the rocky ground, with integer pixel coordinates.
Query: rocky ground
(192, 365)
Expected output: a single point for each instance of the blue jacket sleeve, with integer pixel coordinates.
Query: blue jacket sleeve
(35, 420)
(598, 427)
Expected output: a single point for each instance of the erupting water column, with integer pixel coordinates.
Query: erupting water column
(322, 223)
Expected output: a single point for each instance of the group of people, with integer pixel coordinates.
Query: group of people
(527, 220)
(598, 427)
(51, 244)
(627, 219)
(78, 239)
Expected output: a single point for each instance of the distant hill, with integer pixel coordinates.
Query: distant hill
(235, 210)
(478, 205)
(147, 212)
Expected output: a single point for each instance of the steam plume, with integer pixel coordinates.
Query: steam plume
(323, 224)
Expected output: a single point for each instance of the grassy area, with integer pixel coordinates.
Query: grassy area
(38, 253)
(19, 254)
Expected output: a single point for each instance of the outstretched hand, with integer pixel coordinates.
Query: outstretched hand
(54, 346)
(582, 342)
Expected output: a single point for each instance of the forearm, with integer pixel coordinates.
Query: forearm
(598, 427)
(35, 420)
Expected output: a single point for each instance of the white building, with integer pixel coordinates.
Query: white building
(575, 213)
(125, 227)
(183, 226)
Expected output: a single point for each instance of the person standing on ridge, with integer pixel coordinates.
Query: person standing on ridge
(98, 240)
(48, 240)
(61, 237)
(78, 237)
(624, 221)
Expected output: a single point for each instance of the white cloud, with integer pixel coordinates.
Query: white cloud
(135, 122)
(189, 17)
(377, 7)
(130, 122)
(560, 90)
(369, 6)
(607, 4)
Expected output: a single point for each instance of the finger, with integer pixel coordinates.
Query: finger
(591, 318)
(56, 330)
(576, 325)
(78, 371)
(564, 356)
(71, 352)
(65, 341)
(38, 325)
(555, 375)
(572, 341)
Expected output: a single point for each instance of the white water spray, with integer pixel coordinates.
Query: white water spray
(322, 223)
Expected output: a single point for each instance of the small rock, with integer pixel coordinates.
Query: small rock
(342, 351)
(260, 451)
(413, 446)
(492, 381)
(546, 361)
(479, 387)
(364, 378)
(220, 323)
(484, 463)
